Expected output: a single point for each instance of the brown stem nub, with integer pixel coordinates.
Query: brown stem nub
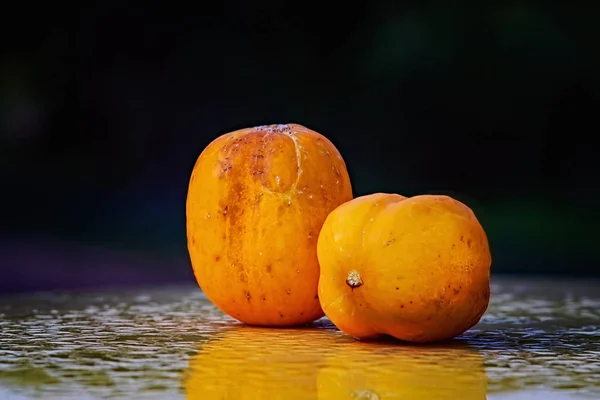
(353, 280)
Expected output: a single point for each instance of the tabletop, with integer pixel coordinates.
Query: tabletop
(540, 338)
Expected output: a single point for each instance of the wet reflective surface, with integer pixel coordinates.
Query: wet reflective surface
(538, 340)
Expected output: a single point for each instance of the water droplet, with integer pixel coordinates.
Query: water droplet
(300, 192)
(341, 249)
(371, 220)
(337, 182)
(232, 265)
(297, 271)
(207, 216)
(310, 196)
(277, 179)
(260, 253)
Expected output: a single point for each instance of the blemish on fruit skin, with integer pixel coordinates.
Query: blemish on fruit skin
(269, 268)
(247, 295)
(469, 242)
(217, 258)
(288, 292)
(281, 315)
(280, 211)
(389, 242)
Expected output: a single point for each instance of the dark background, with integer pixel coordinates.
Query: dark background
(104, 110)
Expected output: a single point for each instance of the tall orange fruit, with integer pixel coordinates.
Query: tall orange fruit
(414, 268)
(257, 199)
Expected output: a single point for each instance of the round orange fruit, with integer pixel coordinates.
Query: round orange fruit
(416, 268)
(257, 199)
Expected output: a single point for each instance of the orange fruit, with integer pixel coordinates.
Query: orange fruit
(415, 268)
(257, 199)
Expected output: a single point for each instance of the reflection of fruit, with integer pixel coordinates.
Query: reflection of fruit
(257, 199)
(414, 268)
(373, 371)
(258, 363)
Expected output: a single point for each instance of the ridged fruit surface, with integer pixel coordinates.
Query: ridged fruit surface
(257, 199)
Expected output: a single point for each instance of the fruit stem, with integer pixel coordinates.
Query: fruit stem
(353, 280)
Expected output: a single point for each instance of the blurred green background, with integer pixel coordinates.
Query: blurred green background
(105, 108)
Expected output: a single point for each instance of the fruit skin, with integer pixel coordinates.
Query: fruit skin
(415, 268)
(257, 199)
